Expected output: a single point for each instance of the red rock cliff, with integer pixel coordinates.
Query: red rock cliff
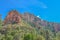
(12, 17)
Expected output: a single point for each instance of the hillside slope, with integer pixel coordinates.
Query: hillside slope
(26, 26)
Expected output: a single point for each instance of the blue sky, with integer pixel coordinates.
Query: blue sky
(48, 10)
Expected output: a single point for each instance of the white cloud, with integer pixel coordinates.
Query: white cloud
(38, 16)
(37, 3)
(43, 5)
(29, 3)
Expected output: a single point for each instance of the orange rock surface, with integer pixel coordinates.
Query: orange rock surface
(12, 17)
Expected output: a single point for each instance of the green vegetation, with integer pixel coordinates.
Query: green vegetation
(25, 31)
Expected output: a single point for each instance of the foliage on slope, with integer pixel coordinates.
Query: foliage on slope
(25, 31)
(19, 32)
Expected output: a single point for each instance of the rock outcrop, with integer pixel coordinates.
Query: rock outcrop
(12, 17)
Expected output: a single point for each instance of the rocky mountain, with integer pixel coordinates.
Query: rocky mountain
(18, 26)
(39, 22)
(15, 17)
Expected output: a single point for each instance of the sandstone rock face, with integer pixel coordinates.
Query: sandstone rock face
(12, 17)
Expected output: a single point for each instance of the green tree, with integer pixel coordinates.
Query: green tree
(28, 36)
(0, 21)
(58, 35)
(2, 37)
(40, 37)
